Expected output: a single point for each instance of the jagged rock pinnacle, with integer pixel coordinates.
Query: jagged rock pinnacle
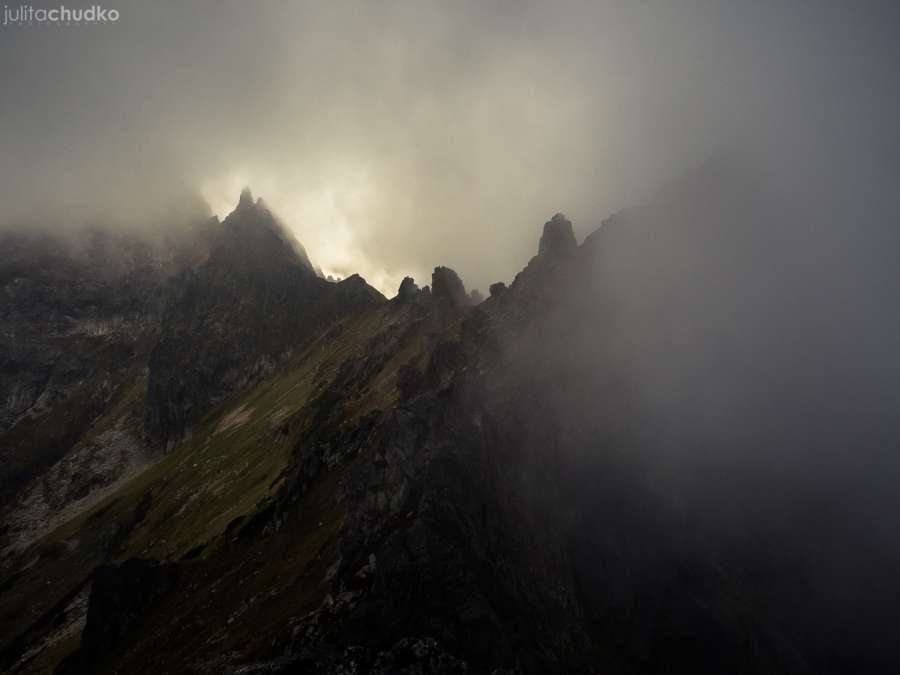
(408, 290)
(445, 283)
(246, 200)
(558, 237)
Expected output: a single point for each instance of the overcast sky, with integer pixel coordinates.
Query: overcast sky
(396, 136)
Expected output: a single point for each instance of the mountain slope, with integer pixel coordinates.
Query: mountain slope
(396, 492)
(558, 479)
(233, 319)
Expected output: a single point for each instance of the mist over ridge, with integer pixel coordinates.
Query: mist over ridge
(393, 139)
(511, 337)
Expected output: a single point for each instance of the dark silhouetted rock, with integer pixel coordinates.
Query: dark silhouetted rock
(408, 290)
(497, 289)
(558, 238)
(246, 200)
(121, 597)
(556, 249)
(446, 284)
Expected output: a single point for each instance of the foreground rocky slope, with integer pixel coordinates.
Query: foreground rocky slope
(428, 485)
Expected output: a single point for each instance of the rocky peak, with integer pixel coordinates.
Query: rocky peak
(254, 300)
(252, 237)
(408, 290)
(354, 290)
(246, 200)
(558, 238)
(557, 246)
(445, 283)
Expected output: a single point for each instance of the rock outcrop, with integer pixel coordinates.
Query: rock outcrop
(446, 285)
(408, 290)
(558, 240)
(550, 268)
(121, 597)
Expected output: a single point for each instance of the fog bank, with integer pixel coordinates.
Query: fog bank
(393, 138)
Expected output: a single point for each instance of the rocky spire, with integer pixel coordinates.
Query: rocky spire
(253, 238)
(445, 283)
(408, 290)
(246, 200)
(558, 238)
(556, 248)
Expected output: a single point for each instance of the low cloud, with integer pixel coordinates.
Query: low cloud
(396, 137)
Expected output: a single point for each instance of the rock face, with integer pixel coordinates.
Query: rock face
(446, 285)
(78, 320)
(408, 290)
(549, 269)
(558, 239)
(89, 471)
(229, 322)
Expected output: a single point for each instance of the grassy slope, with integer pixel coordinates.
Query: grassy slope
(233, 463)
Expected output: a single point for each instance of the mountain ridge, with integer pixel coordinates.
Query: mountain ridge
(348, 484)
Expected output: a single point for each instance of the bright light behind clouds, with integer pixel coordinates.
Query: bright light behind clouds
(330, 216)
